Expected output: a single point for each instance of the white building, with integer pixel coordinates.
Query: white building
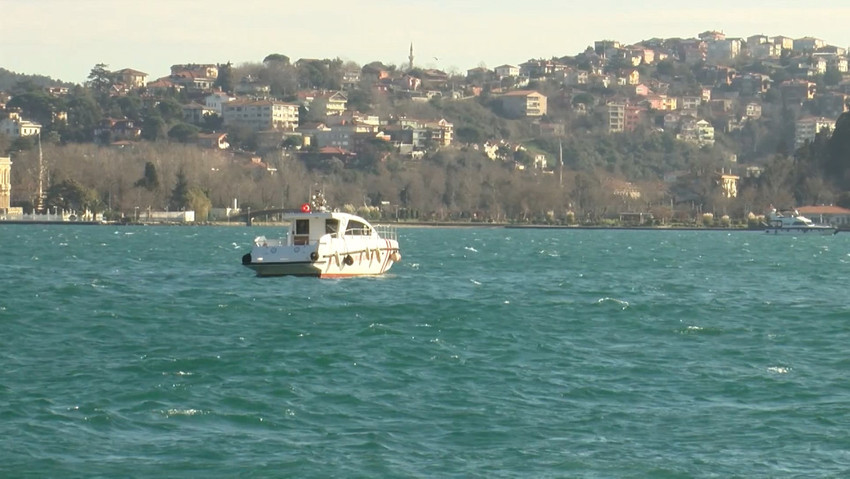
(14, 126)
(261, 115)
(217, 100)
(807, 128)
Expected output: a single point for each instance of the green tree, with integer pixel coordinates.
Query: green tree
(35, 105)
(224, 81)
(180, 194)
(100, 78)
(184, 133)
(150, 180)
(469, 134)
(84, 114)
(153, 126)
(198, 201)
(832, 76)
(170, 110)
(71, 195)
(276, 58)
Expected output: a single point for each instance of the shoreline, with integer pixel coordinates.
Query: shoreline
(442, 224)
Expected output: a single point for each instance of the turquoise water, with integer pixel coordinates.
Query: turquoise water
(151, 352)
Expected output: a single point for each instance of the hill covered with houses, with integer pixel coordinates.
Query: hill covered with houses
(674, 128)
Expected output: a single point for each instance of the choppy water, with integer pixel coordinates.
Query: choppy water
(151, 352)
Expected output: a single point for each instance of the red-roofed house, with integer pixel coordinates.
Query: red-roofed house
(834, 215)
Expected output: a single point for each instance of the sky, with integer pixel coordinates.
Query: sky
(65, 39)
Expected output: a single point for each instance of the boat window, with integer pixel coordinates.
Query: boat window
(302, 232)
(356, 228)
(331, 226)
(302, 227)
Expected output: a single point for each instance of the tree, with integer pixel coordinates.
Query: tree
(184, 132)
(100, 78)
(276, 58)
(150, 181)
(180, 194)
(469, 134)
(84, 114)
(153, 126)
(71, 195)
(832, 76)
(224, 81)
(197, 201)
(170, 110)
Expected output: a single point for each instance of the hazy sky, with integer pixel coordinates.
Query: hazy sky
(64, 39)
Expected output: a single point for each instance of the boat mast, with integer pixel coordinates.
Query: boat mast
(39, 201)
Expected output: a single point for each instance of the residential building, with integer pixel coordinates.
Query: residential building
(723, 51)
(784, 43)
(248, 85)
(603, 46)
(693, 52)
(350, 79)
(197, 70)
(195, 113)
(524, 103)
(630, 76)
(689, 102)
(641, 90)
(339, 136)
(12, 125)
(712, 36)
(757, 40)
(434, 79)
(505, 71)
(705, 133)
(623, 117)
(261, 114)
(763, 51)
(808, 44)
(442, 132)
(131, 78)
(807, 128)
(575, 77)
(798, 90)
(215, 101)
(112, 129)
(753, 110)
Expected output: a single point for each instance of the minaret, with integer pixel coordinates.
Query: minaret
(410, 58)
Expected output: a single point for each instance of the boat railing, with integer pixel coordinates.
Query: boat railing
(263, 241)
(386, 232)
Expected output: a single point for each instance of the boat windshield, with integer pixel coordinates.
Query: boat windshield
(357, 228)
(331, 226)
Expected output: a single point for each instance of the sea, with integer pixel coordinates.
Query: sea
(150, 351)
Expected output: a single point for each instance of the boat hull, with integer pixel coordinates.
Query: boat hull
(358, 260)
(816, 230)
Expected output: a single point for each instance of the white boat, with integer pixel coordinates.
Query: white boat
(325, 244)
(795, 223)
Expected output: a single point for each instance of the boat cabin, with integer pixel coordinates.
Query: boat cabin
(309, 228)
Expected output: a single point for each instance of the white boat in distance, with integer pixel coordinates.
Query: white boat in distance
(325, 244)
(795, 223)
